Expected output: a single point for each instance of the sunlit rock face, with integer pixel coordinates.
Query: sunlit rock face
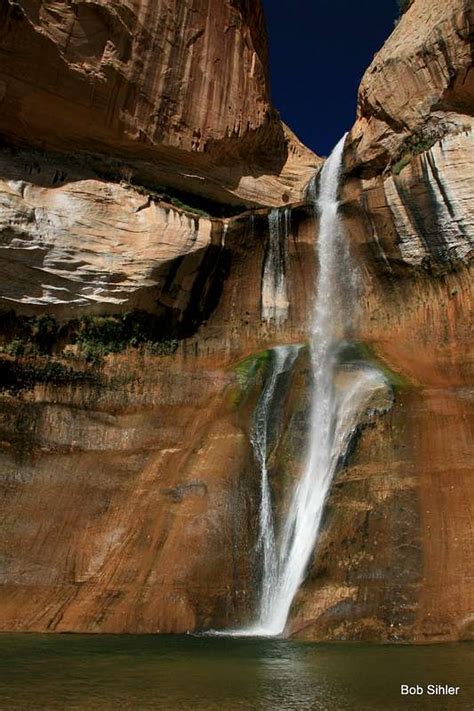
(129, 484)
(89, 242)
(178, 90)
(428, 204)
(420, 84)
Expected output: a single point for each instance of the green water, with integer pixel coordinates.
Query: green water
(129, 672)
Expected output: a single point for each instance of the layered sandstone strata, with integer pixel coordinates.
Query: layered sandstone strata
(85, 243)
(179, 426)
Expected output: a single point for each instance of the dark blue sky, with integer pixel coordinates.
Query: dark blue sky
(319, 50)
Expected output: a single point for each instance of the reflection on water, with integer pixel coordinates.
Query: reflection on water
(130, 672)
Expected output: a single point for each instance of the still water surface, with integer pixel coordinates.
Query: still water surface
(199, 673)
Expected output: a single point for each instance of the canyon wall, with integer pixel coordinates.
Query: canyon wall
(173, 94)
(144, 279)
(419, 86)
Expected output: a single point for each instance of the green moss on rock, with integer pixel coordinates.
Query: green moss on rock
(247, 372)
(417, 143)
(353, 351)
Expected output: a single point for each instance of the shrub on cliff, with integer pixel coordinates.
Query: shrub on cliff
(97, 336)
(403, 5)
(89, 337)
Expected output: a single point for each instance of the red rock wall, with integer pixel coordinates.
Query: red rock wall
(127, 504)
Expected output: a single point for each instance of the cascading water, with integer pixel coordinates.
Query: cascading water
(274, 296)
(335, 410)
(283, 358)
(333, 418)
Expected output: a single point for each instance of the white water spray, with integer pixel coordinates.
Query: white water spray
(333, 418)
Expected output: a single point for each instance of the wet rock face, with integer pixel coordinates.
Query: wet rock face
(390, 563)
(364, 579)
(177, 89)
(128, 503)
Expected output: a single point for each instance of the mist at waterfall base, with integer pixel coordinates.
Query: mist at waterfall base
(334, 412)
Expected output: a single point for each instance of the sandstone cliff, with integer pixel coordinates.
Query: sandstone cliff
(176, 92)
(135, 328)
(419, 87)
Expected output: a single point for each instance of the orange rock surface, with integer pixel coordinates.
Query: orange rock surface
(177, 90)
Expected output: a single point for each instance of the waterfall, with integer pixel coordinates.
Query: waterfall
(336, 408)
(334, 413)
(274, 295)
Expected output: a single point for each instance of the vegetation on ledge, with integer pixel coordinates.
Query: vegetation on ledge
(90, 338)
(18, 375)
(418, 142)
(247, 371)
